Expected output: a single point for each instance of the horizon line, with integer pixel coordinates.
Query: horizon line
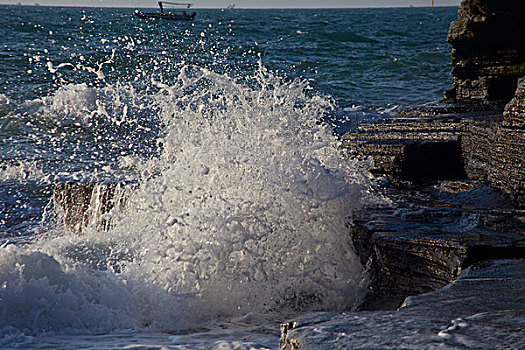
(236, 8)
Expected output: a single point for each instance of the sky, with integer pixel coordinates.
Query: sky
(243, 3)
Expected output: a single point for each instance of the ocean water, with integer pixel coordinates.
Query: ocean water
(228, 127)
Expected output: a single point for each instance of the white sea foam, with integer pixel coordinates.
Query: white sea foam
(5, 104)
(26, 171)
(88, 106)
(246, 210)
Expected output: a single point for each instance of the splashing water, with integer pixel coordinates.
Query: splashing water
(245, 208)
(5, 104)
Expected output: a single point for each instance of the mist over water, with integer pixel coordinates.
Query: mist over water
(241, 201)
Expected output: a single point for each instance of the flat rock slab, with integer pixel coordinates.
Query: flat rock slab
(483, 309)
(413, 148)
(444, 147)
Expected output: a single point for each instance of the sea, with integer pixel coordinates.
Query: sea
(226, 131)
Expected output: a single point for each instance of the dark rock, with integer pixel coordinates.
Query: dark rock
(450, 110)
(428, 236)
(88, 204)
(495, 151)
(508, 156)
(514, 114)
(413, 149)
(452, 146)
(488, 51)
(476, 145)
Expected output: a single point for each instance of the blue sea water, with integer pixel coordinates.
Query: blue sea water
(369, 57)
(227, 127)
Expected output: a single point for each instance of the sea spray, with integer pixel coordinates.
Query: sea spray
(252, 200)
(245, 208)
(5, 105)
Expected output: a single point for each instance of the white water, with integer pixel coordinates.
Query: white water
(24, 171)
(246, 211)
(5, 104)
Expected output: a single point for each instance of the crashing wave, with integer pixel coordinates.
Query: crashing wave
(245, 208)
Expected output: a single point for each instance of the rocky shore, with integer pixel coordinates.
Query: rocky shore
(458, 187)
(453, 170)
(477, 311)
(455, 173)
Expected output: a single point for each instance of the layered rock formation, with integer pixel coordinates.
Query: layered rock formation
(452, 146)
(427, 237)
(488, 51)
(410, 148)
(495, 151)
(431, 234)
(514, 114)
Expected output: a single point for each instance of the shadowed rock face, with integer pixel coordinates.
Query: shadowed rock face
(427, 237)
(488, 147)
(410, 148)
(514, 114)
(488, 51)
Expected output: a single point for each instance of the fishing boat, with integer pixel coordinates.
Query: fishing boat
(180, 15)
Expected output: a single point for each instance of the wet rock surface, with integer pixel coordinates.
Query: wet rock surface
(410, 148)
(455, 172)
(475, 145)
(494, 150)
(429, 235)
(483, 309)
(514, 114)
(84, 205)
